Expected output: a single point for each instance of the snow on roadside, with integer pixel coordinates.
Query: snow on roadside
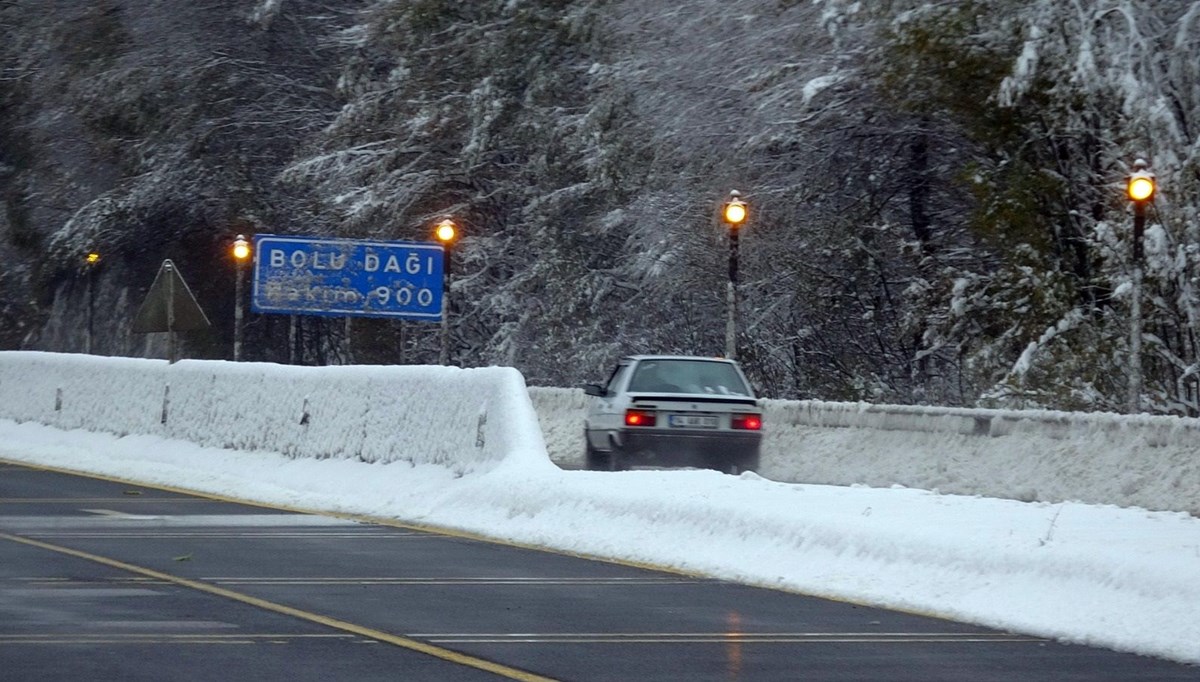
(1122, 578)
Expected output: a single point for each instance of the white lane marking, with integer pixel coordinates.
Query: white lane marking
(159, 626)
(72, 592)
(99, 500)
(173, 521)
(110, 512)
(530, 582)
(93, 639)
(158, 635)
(152, 534)
(368, 580)
(723, 637)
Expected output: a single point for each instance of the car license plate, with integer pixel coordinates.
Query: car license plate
(695, 421)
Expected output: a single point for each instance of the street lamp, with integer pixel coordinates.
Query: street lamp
(1140, 188)
(241, 255)
(90, 262)
(446, 232)
(734, 213)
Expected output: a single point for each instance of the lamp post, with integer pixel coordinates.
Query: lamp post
(241, 255)
(734, 213)
(90, 263)
(446, 232)
(1140, 188)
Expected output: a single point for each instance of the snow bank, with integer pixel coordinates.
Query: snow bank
(461, 419)
(1131, 461)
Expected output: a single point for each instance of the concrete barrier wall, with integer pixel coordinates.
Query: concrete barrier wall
(456, 418)
(470, 419)
(1145, 461)
(979, 422)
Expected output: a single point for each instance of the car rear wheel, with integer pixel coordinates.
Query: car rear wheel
(735, 466)
(596, 460)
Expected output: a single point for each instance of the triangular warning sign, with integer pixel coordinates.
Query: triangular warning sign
(169, 305)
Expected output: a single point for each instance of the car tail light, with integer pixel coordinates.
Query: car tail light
(639, 418)
(746, 422)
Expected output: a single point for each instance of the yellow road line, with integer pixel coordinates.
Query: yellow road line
(402, 642)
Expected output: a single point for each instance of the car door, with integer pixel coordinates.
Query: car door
(607, 412)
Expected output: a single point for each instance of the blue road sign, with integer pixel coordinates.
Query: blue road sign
(325, 276)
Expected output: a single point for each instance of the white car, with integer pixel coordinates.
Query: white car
(673, 410)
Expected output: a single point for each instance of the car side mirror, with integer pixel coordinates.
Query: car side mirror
(594, 389)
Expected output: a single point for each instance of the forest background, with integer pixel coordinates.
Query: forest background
(936, 189)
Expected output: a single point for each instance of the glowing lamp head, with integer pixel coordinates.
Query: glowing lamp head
(446, 231)
(1141, 187)
(735, 210)
(92, 258)
(241, 248)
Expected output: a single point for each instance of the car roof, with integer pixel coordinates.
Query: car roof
(706, 358)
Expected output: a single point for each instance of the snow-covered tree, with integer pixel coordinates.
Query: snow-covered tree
(1057, 99)
(936, 188)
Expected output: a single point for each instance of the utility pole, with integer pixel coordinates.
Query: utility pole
(241, 255)
(734, 213)
(1140, 188)
(447, 233)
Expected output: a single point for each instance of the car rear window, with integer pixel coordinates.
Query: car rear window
(688, 376)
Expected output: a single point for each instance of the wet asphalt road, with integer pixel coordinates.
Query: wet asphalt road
(104, 580)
